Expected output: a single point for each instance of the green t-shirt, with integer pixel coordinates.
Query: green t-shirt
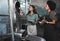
(32, 18)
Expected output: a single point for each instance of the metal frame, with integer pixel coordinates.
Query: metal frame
(10, 11)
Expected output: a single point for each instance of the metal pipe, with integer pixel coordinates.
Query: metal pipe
(11, 12)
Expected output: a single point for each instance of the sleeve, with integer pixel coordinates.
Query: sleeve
(36, 17)
(53, 17)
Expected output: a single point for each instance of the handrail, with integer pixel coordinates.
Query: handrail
(3, 15)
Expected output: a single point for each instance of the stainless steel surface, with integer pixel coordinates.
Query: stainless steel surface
(11, 17)
(35, 38)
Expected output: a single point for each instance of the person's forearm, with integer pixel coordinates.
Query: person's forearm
(53, 22)
(50, 23)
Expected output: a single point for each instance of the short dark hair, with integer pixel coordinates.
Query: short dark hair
(52, 5)
(17, 5)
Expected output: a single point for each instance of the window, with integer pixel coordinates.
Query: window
(4, 7)
(24, 5)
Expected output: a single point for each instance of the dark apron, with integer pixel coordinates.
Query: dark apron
(18, 21)
(49, 32)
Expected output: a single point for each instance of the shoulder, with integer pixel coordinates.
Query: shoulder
(53, 12)
(27, 14)
(36, 14)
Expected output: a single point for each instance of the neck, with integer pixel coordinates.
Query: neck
(31, 12)
(49, 10)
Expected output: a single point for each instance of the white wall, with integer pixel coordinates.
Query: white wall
(40, 3)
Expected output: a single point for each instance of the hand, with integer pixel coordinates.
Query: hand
(46, 21)
(41, 22)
